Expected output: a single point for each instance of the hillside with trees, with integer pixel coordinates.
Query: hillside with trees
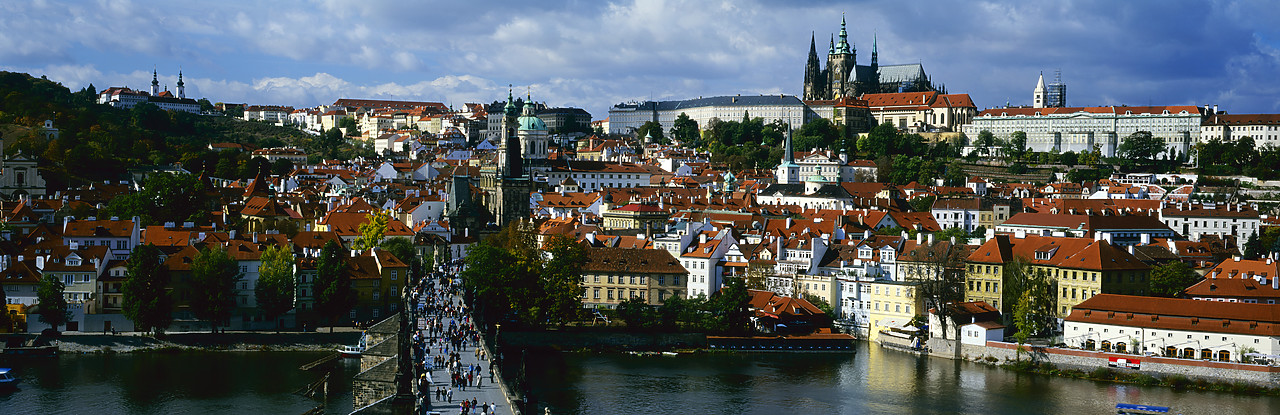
(104, 143)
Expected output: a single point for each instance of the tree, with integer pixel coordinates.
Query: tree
(6, 321)
(164, 197)
(1253, 247)
(821, 304)
(214, 274)
(275, 289)
(1170, 279)
(1141, 146)
(54, 310)
(205, 105)
(986, 140)
(372, 230)
(819, 133)
(334, 296)
(652, 129)
(402, 248)
(922, 204)
(684, 130)
(731, 307)
(350, 125)
(939, 268)
(1017, 145)
(636, 313)
(1031, 292)
(146, 296)
(562, 279)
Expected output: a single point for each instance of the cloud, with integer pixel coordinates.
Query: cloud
(593, 54)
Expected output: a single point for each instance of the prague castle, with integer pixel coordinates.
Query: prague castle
(843, 77)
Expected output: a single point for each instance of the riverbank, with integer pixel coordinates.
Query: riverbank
(229, 341)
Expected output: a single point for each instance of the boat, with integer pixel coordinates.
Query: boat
(1134, 409)
(669, 353)
(7, 380)
(354, 351)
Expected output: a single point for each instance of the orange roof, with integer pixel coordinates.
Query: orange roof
(1179, 314)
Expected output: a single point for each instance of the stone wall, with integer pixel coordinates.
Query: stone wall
(561, 340)
(1152, 365)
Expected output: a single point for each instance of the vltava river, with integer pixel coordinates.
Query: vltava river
(873, 381)
(172, 383)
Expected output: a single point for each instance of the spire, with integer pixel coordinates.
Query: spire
(510, 109)
(831, 50)
(155, 82)
(875, 50)
(843, 46)
(182, 89)
(788, 157)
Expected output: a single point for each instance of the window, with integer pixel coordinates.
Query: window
(244, 269)
(394, 275)
(597, 294)
(610, 294)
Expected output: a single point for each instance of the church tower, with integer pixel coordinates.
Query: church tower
(1038, 95)
(512, 187)
(155, 83)
(840, 63)
(788, 172)
(813, 73)
(182, 90)
(532, 132)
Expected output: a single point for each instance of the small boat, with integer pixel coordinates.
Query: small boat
(1134, 409)
(7, 380)
(669, 353)
(353, 351)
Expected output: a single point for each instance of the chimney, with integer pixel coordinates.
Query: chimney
(39, 262)
(1130, 249)
(702, 237)
(930, 239)
(920, 238)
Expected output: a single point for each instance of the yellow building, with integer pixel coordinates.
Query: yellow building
(893, 304)
(613, 275)
(1081, 267)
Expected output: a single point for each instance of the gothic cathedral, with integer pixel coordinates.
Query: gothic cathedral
(843, 77)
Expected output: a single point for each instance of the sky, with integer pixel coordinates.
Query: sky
(593, 54)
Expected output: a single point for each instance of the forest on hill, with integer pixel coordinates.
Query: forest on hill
(98, 142)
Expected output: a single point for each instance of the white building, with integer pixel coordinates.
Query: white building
(1080, 129)
(1263, 128)
(702, 260)
(1173, 327)
(1226, 220)
(625, 118)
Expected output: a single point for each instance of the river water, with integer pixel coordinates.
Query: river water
(173, 383)
(873, 380)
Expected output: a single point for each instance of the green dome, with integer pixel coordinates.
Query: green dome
(531, 123)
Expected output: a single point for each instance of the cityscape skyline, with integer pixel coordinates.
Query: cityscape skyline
(593, 55)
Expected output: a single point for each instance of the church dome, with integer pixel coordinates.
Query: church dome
(531, 123)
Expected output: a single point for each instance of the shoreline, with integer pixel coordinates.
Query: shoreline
(189, 341)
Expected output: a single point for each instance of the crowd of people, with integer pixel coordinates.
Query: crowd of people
(443, 332)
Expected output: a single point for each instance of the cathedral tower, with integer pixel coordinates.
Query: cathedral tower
(839, 64)
(813, 82)
(511, 186)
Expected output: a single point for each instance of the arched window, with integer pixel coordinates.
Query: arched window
(1120, 347)
(1224, 356)
(1189, 353)
(1206, 354)
(1106, 345)
(1170, 351)
(1090, 344)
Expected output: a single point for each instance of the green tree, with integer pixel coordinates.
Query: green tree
(636, 313)
(1253, 247)
(684, 130)
(652, 129)
(673, 309)
(275, 289)
(821, 304)
(164, 197)
(6, 321)
(1141, 146)
(1031, 292)
(562, 279)
(54, 310)
(402, 248)
(350, 125)
(147, 301)
(819, 133)
(938, 267)
(730, 307)
(922, 204)
(1171, 278)
(372, 230)
(986, 140)
(1017, 145)
(334, 296)
(205, 105)
(214, 274)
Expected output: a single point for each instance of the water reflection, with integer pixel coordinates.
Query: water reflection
(872, 381)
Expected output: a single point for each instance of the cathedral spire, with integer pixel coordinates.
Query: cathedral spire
(843, 46)
(831, 50)
(875, 53)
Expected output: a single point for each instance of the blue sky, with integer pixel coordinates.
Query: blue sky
(593, 54)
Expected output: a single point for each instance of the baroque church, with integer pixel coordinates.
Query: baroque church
(843, 77)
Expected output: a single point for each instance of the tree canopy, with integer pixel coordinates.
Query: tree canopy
(1171, 278)
(515, 283)
(372, 230)
(1141, 146)
(685, 130)
(53, 309)
(275, 289)
(334, 296)
(214, 274)
(147, 301)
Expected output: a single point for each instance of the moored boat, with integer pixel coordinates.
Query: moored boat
(7, 379)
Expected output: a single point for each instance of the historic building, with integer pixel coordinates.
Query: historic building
(625, 118)
(123, 97)
(843, 77)
(506, 184)
(1083, 129)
